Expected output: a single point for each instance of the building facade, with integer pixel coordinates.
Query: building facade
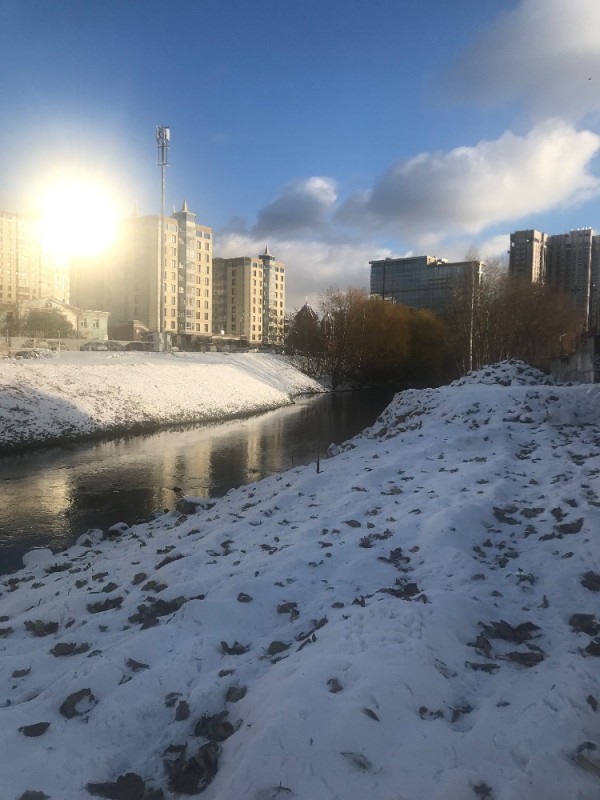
(566, 261)
(87, 324)
(127, 280)
(249, 298)
(423, 282)
(27, 271)
(528, 255)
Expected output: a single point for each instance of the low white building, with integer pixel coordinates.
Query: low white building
(90, 325)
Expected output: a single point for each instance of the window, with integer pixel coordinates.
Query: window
(206, 329)
(207, 281)
(207, 257)
(95, 323)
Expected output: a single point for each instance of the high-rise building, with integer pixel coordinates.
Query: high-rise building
(126, 281)
(569, 262)
(423, 281)
(249, 298)
(528, 255)
(27, 271)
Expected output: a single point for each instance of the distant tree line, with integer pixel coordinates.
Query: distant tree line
(362, 340)
(510, 318)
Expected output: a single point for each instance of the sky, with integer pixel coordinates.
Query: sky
(336, 131)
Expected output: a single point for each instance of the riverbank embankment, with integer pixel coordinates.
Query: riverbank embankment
(420, 615)
(78, 396)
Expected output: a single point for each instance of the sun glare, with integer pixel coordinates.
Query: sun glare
(78, 219)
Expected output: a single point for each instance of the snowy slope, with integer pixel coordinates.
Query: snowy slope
(418, 621)
(73, 395)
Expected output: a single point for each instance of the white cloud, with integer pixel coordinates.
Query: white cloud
(543, 53)
(301, 208)
(471, 188)
(313, 266)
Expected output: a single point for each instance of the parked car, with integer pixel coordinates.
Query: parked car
(94, 346)
(144, 347)
(112, 344)
(33, 352)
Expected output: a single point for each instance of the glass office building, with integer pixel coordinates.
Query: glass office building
(423, 281)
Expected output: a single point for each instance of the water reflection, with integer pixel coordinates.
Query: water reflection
(50, 497)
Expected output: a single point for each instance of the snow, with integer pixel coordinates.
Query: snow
(77, 395)
(400, 625)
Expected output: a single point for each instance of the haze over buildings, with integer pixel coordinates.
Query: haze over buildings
(201, 296)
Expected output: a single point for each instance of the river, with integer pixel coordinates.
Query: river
(49, 497)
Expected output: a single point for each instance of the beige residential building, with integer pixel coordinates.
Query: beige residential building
(126, 281)
(528, 255)
(249, 298)
(27, 272)
(567, 261)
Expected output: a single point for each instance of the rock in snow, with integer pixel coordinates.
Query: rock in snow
(445, 648)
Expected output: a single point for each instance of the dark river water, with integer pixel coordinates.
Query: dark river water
(49, 497)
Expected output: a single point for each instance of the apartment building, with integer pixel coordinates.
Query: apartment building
(567, 261)
(423, 281)
(27, 272)
(127, 280)
(249, 298)
(528, 255)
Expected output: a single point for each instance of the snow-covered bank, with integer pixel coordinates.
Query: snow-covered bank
(418, 621)
(77, 395)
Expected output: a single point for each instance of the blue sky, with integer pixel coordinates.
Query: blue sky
(337, 130)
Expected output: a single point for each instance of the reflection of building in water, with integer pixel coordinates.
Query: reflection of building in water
(189, 464)
(48, 495)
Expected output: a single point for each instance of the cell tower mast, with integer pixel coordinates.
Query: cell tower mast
(163, 140)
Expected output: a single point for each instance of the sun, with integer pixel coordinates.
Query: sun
(78, 219)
